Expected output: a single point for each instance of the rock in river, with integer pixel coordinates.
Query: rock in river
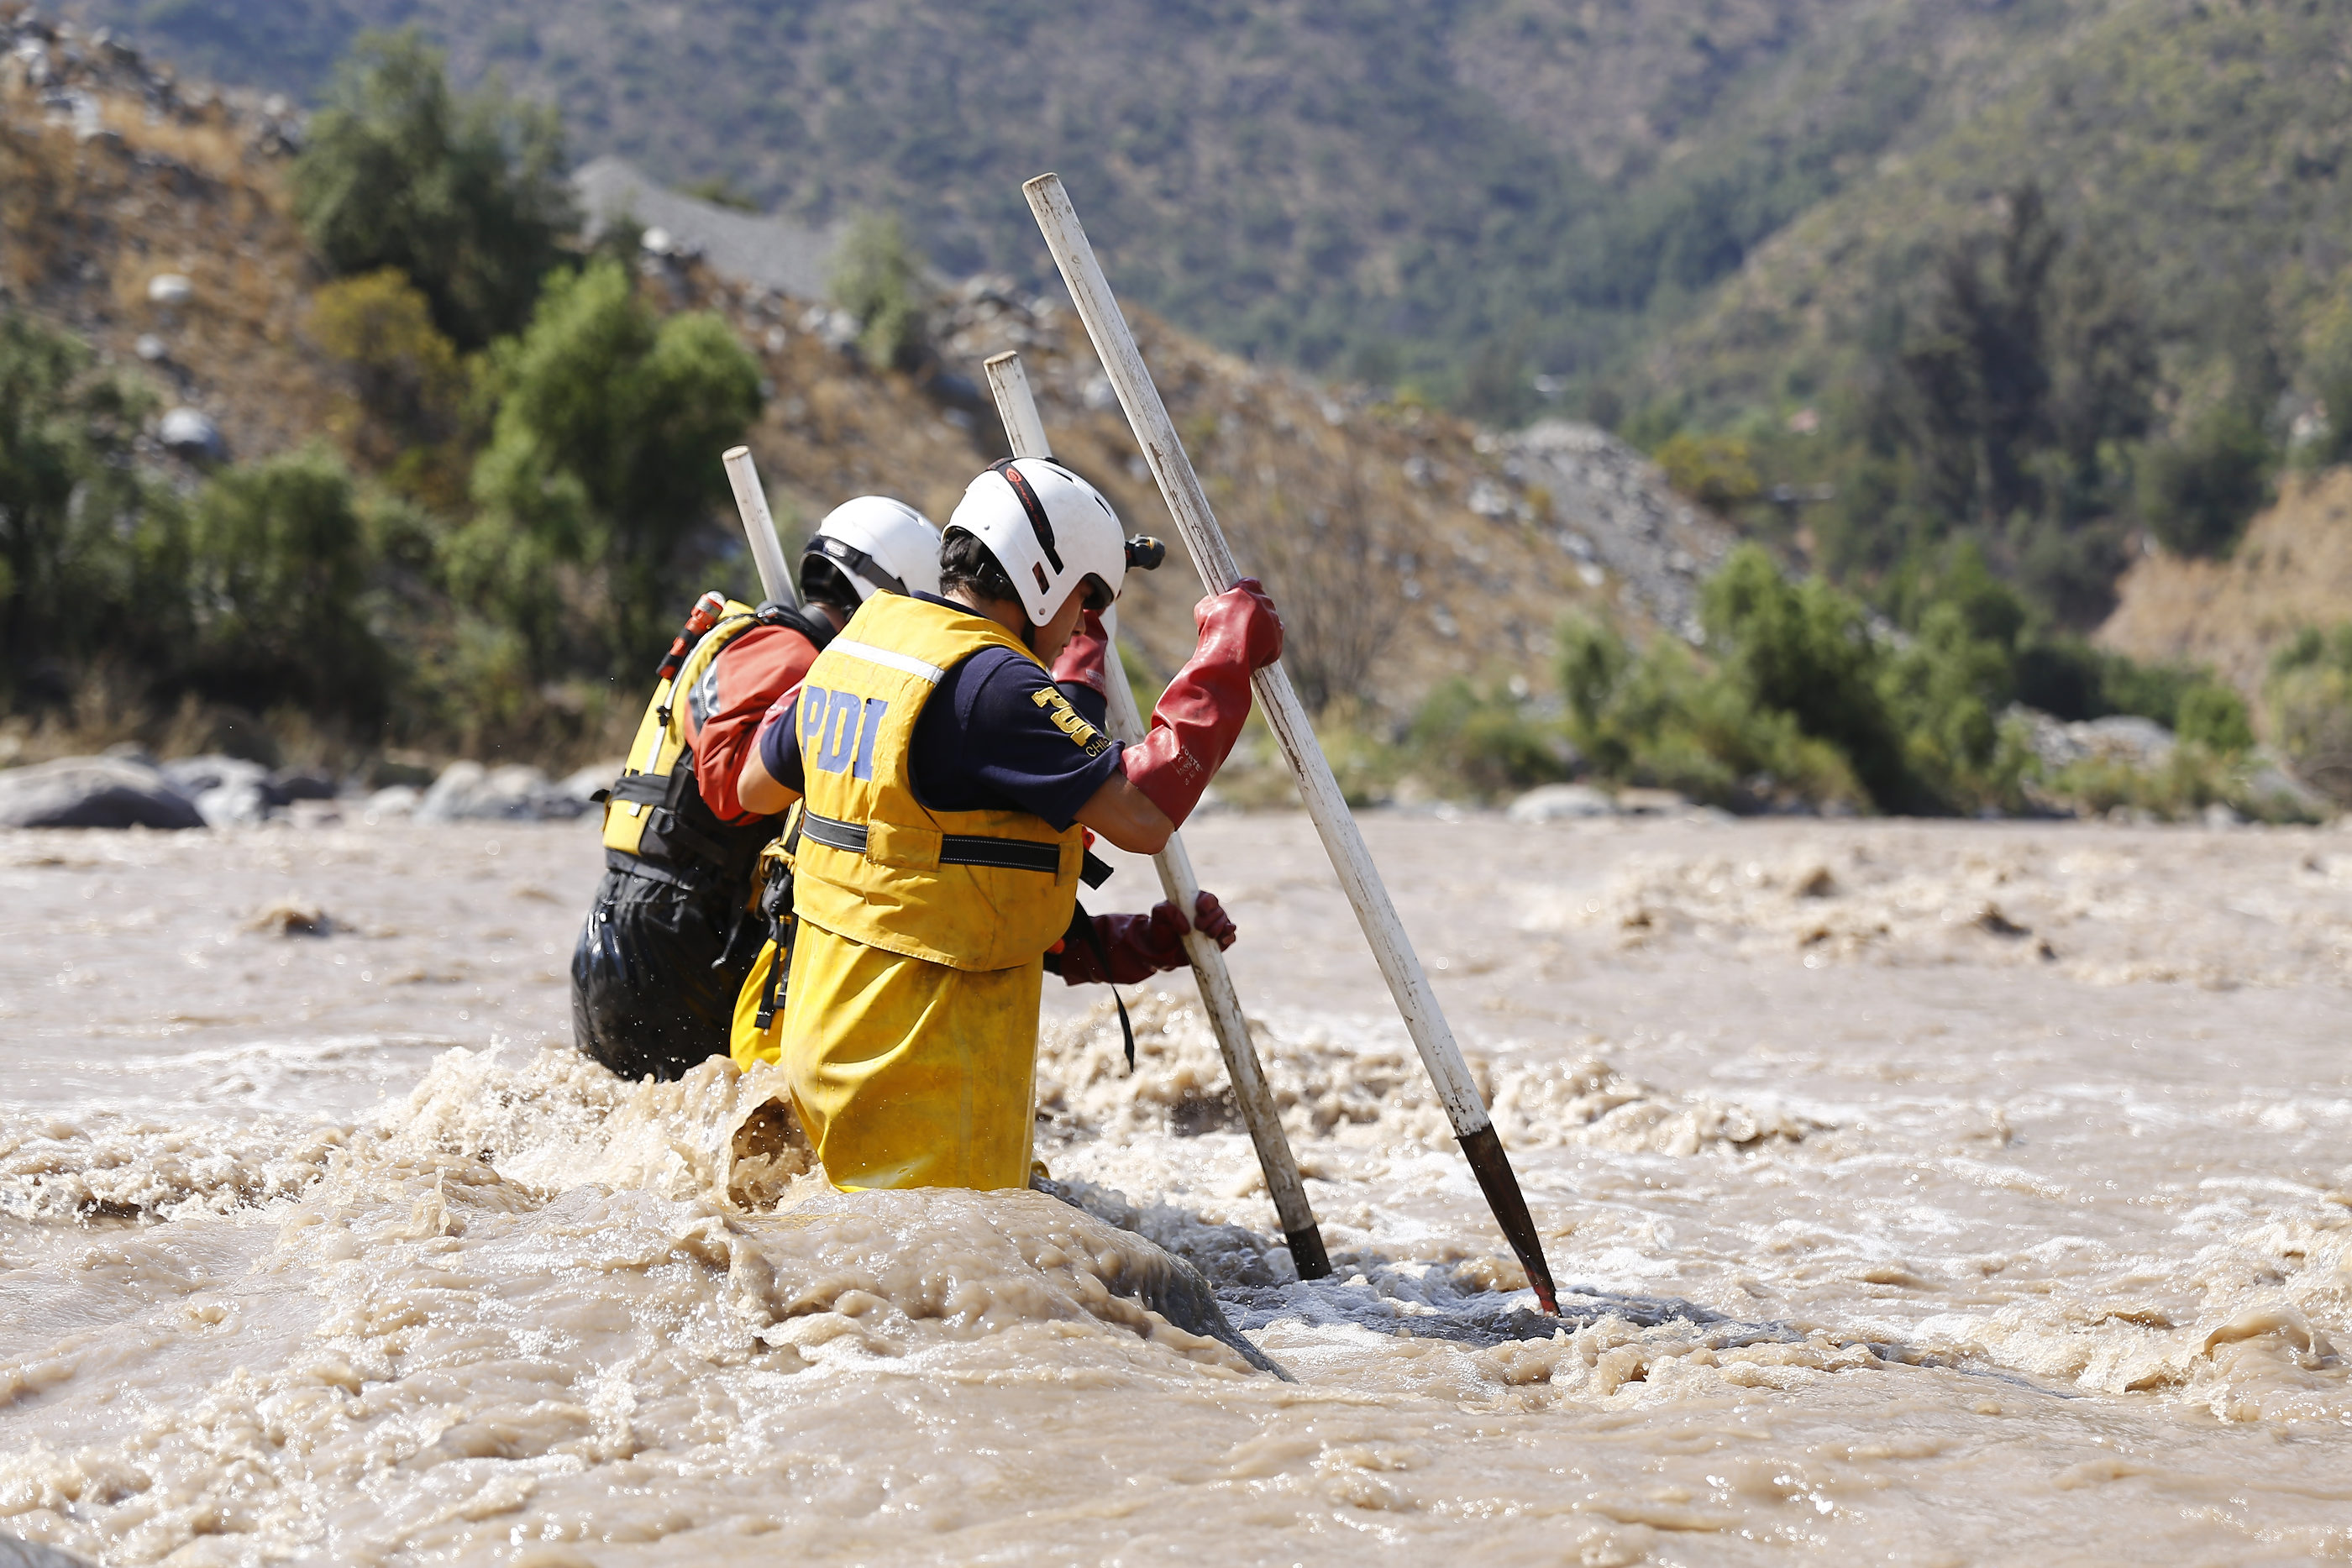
(92, 792)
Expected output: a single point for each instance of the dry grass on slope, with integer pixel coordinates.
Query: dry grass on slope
(171, 184)
(2292, 569)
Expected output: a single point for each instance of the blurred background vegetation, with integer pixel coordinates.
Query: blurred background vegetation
(523, 496)
(1958, 312)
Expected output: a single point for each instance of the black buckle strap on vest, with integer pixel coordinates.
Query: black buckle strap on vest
(807, 623)
(776, 902)
(955, 849)
(641, 789)
(1094, 871)
(1082, 926)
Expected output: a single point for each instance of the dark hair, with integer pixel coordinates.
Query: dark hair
(965, 561)
(822, 582)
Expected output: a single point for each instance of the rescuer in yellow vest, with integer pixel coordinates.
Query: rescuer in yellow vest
(945, 779)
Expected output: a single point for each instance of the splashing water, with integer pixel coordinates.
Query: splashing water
(1931, 1253)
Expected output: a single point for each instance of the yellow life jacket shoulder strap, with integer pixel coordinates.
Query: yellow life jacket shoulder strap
(648, 798)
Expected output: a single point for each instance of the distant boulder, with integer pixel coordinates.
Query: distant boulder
(191, 775)
(588, 783)
(305, 784)
(229, 791)
(469, 791)
(1555, 803)
(93, 792)
(190, 432)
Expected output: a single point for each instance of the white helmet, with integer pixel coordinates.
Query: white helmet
(1049, 529)
(880, 545)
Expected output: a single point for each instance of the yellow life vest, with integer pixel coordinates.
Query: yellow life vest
(643, 812)
(971, 890)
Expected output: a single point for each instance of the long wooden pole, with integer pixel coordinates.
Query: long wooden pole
(751, 506)
(1026, 431)
(1189, 504)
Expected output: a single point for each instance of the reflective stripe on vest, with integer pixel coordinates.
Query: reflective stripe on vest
(972, 890)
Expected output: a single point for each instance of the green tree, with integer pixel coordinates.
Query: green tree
(603, 459)
(404, 415)
(465, 195)
(90, 549)
(280, 565)
(878, 280)
(2005, 406)
(1806, 650)
(2198, 493)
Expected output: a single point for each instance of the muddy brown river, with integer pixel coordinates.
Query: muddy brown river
(1920, 1193)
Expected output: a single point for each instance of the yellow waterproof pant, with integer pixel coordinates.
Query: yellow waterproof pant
(747, 1043)
(903, 1073)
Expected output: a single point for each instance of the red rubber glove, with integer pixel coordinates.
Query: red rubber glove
(1202, 712)
(1081, 661)
(1142, 946)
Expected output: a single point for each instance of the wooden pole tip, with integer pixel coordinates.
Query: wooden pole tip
(735, 454)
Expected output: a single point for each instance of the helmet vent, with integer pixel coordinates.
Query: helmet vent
(1043, 586)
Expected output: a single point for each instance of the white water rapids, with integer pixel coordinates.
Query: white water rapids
(1923, 1193)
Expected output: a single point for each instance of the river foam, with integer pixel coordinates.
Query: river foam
(1939, 1258)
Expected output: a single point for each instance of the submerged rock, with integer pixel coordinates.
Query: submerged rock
(93, 792)
(16, 1552)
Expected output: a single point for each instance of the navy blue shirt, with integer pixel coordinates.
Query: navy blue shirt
(988, 740)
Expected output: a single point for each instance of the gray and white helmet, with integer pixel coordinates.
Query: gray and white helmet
(1050, 530)
(880, 545)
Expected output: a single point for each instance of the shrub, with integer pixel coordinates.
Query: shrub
(878, 280)
(1488, 740)
(2309, 694)
(1663, 718)
(1805, 650)
(1944, 692)
(278, 564)
(408, 388)
(90, 549)
(2198, 493)
(469, 196)
(1717, 471)
(2214, 717)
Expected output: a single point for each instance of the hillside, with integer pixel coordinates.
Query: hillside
(2205, 150)
(1710, 203)
(2292, 570)
(1461, 195)
(112, 177)
(1409, 545)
